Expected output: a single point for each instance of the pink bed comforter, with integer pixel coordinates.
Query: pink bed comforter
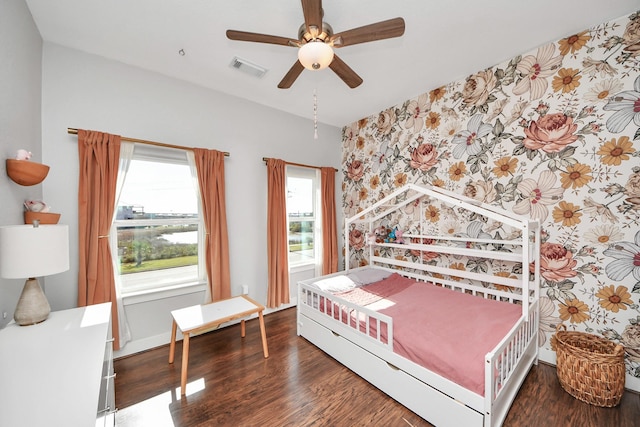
(447, 332)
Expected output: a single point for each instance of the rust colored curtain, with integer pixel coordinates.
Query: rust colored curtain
(99, 156)
(210, 167)
(277, 234)
(329, 228)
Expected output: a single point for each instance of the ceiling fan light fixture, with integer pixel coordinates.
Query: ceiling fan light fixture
(316, 41)
(315, 55)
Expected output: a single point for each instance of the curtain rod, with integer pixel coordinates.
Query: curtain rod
(264, 159)
(74, 131)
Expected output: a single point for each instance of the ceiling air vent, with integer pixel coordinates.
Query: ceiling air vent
(247, 67)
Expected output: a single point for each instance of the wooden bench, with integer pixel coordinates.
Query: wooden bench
(202, 318)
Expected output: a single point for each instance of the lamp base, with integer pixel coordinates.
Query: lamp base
(33, 306)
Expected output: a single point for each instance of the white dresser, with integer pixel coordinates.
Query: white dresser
(58, 372)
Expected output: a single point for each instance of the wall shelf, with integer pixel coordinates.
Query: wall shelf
(42, 217)
(26, 172)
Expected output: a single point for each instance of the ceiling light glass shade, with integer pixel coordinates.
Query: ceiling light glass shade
(315, 55)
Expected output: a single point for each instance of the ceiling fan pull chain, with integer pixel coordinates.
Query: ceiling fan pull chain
(315, 115)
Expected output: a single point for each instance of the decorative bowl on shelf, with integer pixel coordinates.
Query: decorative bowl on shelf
(43, 217)
(26, 172)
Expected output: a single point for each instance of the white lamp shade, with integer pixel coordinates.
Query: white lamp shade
(28, 251)
(315, 55)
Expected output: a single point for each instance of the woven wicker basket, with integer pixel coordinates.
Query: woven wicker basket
(590, 368)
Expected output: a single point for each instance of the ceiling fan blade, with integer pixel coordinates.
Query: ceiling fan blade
(312, 10)
(378, 31)
(345, 72)
(291, 76)
(244, 36)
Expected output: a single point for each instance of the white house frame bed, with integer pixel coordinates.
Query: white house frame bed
(327, 320)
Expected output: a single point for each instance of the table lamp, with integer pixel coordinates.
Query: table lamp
(31, 251)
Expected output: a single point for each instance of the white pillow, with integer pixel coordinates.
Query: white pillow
(339, 283)
(369, 275)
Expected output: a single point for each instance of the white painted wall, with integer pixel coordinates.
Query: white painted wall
(86, 91)
(20, 88)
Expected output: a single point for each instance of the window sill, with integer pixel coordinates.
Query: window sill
(299, 268)
(147, 295)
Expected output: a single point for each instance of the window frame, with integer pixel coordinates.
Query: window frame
(191, 284)
(314, 175)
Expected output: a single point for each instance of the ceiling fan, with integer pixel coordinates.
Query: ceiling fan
(316, 41)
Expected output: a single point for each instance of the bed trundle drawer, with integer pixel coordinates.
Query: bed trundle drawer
(426, 401)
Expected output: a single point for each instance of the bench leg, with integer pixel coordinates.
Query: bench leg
(185, 363)
(242, 329)
(172, 345)
(264, 335)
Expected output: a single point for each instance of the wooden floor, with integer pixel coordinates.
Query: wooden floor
(231, 384)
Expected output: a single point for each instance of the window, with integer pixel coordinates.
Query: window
(157, 223)
(304, 224)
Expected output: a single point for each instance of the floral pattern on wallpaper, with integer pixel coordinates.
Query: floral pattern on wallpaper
(553, 134)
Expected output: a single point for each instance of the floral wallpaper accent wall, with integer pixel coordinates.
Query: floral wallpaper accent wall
(553, 134)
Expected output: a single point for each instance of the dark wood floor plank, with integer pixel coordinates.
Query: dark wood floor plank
(231, 384)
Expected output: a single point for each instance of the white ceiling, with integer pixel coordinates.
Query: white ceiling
(444, 41)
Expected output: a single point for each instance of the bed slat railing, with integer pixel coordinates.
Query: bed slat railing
(514, 283)
(474, 289)
(375, 327)
(514, 256)
(471, 289)
(501, 363)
